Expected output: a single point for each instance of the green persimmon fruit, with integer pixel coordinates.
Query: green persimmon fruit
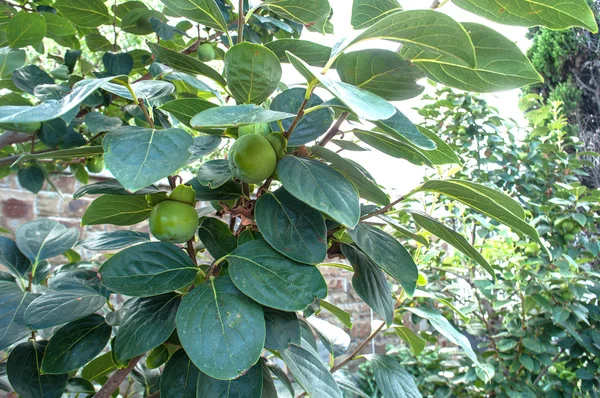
(206, 52)
(252, 159)
(567, 226)
(522, 156)
(215, 204)
(531, 249)
(576, 230)
(173, 221)
(95, 164)
(259, 128)
(569, 237)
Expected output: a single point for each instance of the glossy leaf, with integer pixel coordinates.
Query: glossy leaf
(273, 280)
(366, 12)
(335, 340)
(370, 283)
(214, 173)
(206, 12)
(343, 316)
(320, 187)
(312, 13)
(237, 115)
(217, 237)
(392, 379)
(12, 258)
(252, 72)
(77, 278)
(75, 344)
(180, 377)
(42, 239)
(10, 60)
(113, 240)
(148, 269)
(400, 127)
(25, 28)
(291, 227)
(283, 329)
(184, 109)
(117, 210)
(203, 145)
(138, 156)
(404, 231)
(387, 253)
(13, 303)
(146, 323)
(312, 53)
(248, 385)
(220, 329)
(145, 89)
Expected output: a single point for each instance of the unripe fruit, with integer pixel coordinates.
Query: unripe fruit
(567, 226)
(252, 159)
(173, 221)
(95, 164)
(259, 128)
(206, 52)
(522, 155)
(569, 237)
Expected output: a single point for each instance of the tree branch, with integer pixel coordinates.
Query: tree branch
(116, 379)
(334, 129)
(383, 209)
(543, 372)
(13, 137)
(241, 22)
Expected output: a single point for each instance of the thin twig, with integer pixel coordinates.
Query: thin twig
(298, 117)
(334, 129)
(543, 372)
(116, 379)
(115, 28)
(146, 114)
(383, 209)
(241, 22)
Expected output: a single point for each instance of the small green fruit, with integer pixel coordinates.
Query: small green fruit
(569, 237)
(252, 159)
(259, 128)
(95, 164)
(522, 156)
(567, 226)
(206, 52)
(174, 222)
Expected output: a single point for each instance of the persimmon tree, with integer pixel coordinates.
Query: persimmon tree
(214, 304)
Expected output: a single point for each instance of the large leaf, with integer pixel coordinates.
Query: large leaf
(110, 186)
(283, 329)
(387, 253)
(57, 307)
(252, 72)
(185, 63)
(313, 13)
(138, 156)
(500, 64)
(184, 109)
(366, 12)
(117, 210)
(554, 14)
(217, 237)
(84, 13)
(381, 72)
(320, 187)
(238, 115)
(221, 330)
(145, 89)
(293, 228)
(310, 372)
(403, 230)
(25, 28)
(24, 374)
(42, 239)
(179, 377)
(146, 323)
(148, 269)
(370, 283)
(312, 53)
(361, 102)
(400, 127)
(12, 258)
(75, 344)
(367, 187)
(112, 240)
(455, 239)
(77, 278)
(13, 302)
(206, 12)
(271, 279)
(392, 380)
(10, 60)
(311, 126)
(98, 122)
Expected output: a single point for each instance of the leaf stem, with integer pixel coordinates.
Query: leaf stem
(146, 114)
(334, 129)
(116, 379)
(383, 209)
(309, 90)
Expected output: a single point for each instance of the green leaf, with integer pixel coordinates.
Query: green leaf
(361, 102)
(392, 147)
(203, 145)
(117, 210)
(57, 307)
(235, 116)
(221, 330)
(367, 187)
(311, 126)
(25, 28)
(310, 373)
(77, 278)
(313, 14)
(500, 64)
(455, 239)
(63, 154)
(217, 237)
(387, 253)
(271, 279)
(416, 342)
(146, 323)
(252, 72)
(138, 156)
(42, 239)
(13, 303)
(179, 377)
(10, 60)
(554, 14)
(214, 173)
(144, 89)
(335, 340)
(98, 122)
(391, 378)
(228, 191)
(12, 258)
(157, 356)
(268, 385)
(366, 12)
(137, 21)
(24, 375)
(117, 64)
(185, 109)
(370, 283)
(527, 362)
(283, 329)
(57, 25)
(185, 63)
(112, 187)
(97, 42)
(32, 178)
(98, 367)
(75, 344)
(400, 127)
(248, 385)
(204, 11)
(148, 269)
(437, 32)
(349, 146)
(291, 227)
(340, 314)
(312, 53)
(443, 326)
(381, 72)
(79, 385)
(320, 187)
(84, 13)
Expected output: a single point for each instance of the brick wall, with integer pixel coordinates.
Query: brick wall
(18, 206)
